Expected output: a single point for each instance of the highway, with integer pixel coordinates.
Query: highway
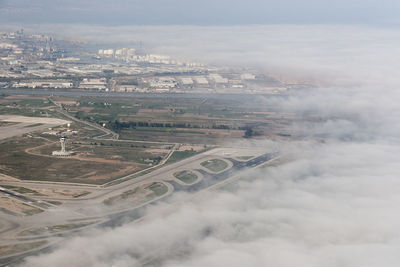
(138, 95)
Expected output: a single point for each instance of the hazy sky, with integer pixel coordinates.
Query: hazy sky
(206, 12)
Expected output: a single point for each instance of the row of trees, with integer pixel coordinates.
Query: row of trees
(118, 125)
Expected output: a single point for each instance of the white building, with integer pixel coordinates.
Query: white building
(164, 82)
(201, 81)
(247, 76)
(186, 81)
(89, 83)
(43, 84)
(218, 78)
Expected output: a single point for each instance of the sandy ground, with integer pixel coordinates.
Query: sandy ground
(6, 178)
(58, 193)
(121, 172)
(32, 120)
(156, 150)
(65, 102)
(146, 111)
(15, 206)
(189, 147)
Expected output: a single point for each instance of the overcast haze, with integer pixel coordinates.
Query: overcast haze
(207, 12)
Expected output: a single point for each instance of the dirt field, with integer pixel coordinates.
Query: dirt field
(11, 205)
(144, 111)
(19, 164)
(17, 248)
(52, 192)
(6, 178)
(190, 147)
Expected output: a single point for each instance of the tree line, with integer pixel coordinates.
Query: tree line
(117, 125)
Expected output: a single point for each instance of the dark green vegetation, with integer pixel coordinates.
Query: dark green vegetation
(34, 125)
(215, 165)
(187, 177)
(245, 157)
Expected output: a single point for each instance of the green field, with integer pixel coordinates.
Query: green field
(158, 189)
(180, 155)
(215, 165)
(27, 106)
(245, 157)
(187, 177)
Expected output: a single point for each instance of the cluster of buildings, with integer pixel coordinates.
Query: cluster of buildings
(196, 83)
(130, 55)
(41, 62)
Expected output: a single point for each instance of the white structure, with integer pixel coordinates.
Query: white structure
(248, 76)
(91, 83)
(217, 78)
(186, 81)
(62, 152)
(43, 84)
(201, 81)
(165, 82)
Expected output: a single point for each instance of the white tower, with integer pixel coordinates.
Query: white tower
(62, 141)
(63, 151)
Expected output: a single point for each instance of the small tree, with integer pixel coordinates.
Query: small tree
(248, 133)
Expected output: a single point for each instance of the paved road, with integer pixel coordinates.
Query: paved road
(138, 95)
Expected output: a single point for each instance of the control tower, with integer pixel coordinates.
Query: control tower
(63, 152)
